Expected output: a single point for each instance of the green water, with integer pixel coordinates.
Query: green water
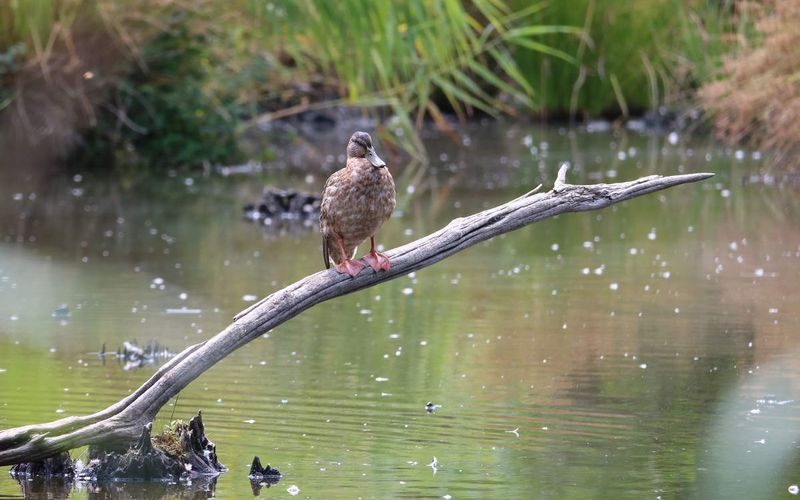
(649, 349)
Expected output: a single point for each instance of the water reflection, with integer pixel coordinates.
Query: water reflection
(616, 353)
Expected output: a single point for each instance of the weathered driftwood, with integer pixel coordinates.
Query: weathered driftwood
(122, 422)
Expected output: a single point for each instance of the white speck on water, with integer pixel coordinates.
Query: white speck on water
(554, 292)
(755, 411)
(599, 270)
(545, 428)
(673, 138)
(677, 310)
(182, 310)
(585, 270)
(643, 366)
(158, 281)
(52, 349)
(408, 231)
(59, 410)
(3, 370)
(614, 286)
(249, 421)
(447, 497)
(293, 490)
(564, 326)
(760, 441)
(588, 245)
(188, 181)
(554, 247)
(773, 310)
(739, 154)
(365, 311)
(733, 246)
(725, 193)
(423, 342)
(513, 431)
(219, 400)
(407, 291)
(249, 297)
(17, 196)
(759, 272)
(284, 401)
(652, 234)
(262, 363)
(634, 251)
(381, 379)
(13, 317)
(666, 275)
(794, 489)
(410, 189)
(183, 296)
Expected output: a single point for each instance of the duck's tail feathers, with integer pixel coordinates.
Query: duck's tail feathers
(325, 255)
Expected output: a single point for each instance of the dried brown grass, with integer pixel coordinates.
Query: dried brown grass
(757, 100)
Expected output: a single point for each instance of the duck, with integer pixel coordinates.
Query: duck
(356, 201)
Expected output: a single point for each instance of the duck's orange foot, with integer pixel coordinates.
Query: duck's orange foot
(378, 261)
(351, 267)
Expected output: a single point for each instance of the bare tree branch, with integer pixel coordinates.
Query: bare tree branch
(122, 422)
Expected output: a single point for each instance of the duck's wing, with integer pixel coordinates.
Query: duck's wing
(324, 213)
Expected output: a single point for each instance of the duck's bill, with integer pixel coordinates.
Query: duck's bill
(374, 159)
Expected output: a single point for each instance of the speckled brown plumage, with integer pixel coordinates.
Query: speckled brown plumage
(356, 201)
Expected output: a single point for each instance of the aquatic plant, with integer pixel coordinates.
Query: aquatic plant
(418, 58)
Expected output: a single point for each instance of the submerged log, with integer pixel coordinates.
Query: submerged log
(182, 451)
(261, 476)
(122, 422)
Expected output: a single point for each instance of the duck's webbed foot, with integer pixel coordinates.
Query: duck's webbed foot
(351, 267)
(378, 261)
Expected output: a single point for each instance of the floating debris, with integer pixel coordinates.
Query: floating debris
(283, 204)
(430, 407)
(183, 310)
(261, 477)
(135, 356)
(61, 312)
(514, 431)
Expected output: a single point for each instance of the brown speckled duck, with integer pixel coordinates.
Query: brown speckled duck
(356, 201)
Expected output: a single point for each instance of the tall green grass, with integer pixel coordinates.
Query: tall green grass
(420, 58)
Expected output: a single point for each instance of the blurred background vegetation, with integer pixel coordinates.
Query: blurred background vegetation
(173, 83)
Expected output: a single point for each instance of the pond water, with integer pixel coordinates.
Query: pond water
(646, 350)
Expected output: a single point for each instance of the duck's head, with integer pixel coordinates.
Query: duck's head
(360, 146)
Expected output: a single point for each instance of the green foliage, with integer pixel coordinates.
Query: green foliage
(35, 22)
(198, 69)
(414, 56)
(163, 114)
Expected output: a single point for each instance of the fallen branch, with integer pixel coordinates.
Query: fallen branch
(122, 422)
